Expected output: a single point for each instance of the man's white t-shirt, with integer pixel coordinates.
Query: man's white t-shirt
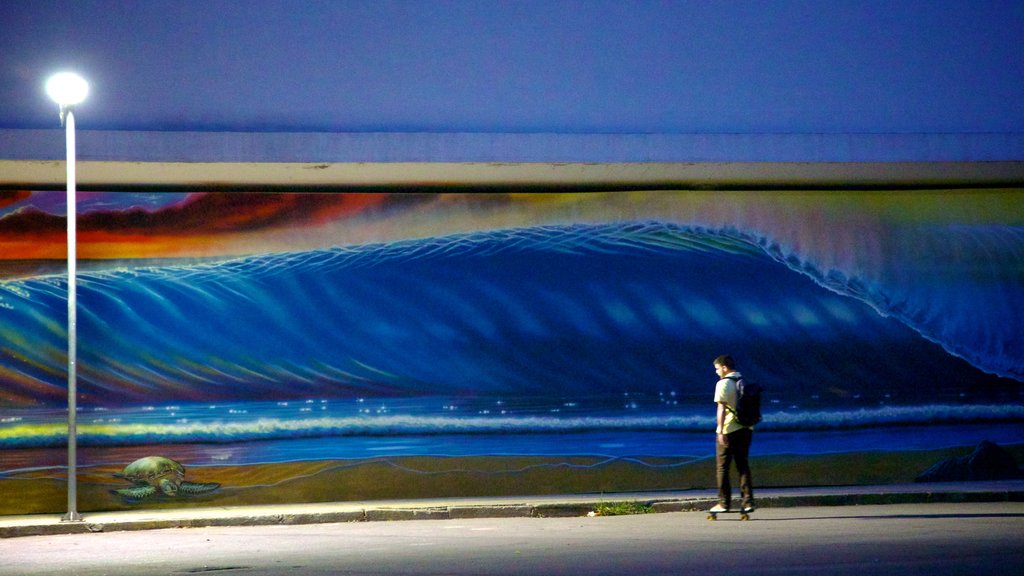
(725, 391)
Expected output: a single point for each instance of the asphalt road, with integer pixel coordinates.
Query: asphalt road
(926, 539)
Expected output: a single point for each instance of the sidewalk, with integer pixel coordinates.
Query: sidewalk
(504, 507)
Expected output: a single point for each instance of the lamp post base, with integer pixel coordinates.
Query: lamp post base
(71, 517)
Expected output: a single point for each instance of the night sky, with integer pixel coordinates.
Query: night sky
(524, 66)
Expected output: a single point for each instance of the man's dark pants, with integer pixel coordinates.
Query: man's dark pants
(736, 447)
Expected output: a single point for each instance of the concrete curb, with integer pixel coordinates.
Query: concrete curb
(550, 507)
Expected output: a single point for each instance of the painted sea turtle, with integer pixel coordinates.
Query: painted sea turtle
(156, 473)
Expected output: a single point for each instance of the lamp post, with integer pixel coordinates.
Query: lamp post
(68, 89)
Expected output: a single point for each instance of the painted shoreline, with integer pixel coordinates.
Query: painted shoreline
(44, 492)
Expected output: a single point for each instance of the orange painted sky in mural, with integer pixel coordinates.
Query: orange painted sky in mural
(202, 225)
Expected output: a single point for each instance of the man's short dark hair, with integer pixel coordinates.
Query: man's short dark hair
(725, 360)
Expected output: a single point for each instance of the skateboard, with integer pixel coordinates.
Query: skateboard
(743, 515)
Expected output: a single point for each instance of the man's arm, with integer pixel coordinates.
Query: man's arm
(720, 418)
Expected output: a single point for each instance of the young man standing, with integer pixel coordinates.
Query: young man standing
(733, 439)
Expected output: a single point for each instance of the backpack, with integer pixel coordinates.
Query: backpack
(748, 402)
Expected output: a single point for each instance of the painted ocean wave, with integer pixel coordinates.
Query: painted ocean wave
(571, 310)
(960, 286)
(34, 435)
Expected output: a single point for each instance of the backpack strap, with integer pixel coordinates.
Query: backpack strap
(735, 380)
(736, 415)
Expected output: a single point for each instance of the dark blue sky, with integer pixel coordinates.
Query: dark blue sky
(521, 66)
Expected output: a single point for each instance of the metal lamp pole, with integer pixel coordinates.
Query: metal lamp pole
(68, 89)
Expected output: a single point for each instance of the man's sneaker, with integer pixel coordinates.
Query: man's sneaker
(747, 509)
(719, 508)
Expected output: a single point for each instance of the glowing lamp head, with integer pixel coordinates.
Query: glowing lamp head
(67, 88)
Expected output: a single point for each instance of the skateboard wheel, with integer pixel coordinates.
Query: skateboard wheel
(744, 516)
(712, 517)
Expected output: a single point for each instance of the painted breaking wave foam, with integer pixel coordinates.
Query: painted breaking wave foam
(54, 433)
(960, 286)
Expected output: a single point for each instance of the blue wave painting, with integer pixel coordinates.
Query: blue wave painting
(513, 333)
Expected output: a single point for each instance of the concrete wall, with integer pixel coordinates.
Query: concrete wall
(120, 159)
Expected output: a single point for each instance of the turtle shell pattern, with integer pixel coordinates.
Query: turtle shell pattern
(154, 474)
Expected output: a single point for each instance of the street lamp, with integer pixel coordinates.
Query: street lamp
(68, 89)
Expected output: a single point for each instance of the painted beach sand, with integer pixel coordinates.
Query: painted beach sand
(43, 491)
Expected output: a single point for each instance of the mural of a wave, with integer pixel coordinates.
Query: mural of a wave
(540, 311)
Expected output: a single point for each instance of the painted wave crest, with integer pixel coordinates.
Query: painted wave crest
(960, 286)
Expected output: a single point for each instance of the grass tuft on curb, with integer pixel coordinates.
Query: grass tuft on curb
(622, 508)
